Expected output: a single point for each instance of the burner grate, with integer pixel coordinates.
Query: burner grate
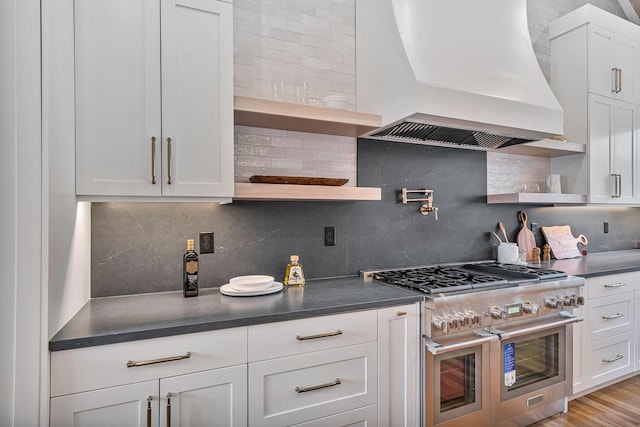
(434, 280)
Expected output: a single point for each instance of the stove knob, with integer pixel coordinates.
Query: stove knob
(476, 320)
(552, 302)
(579, 300)
(498, 313)
(531, 308)
(569, 301)
(440, 324)
(453, 323)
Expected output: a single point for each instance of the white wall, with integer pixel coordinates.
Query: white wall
(23, 349)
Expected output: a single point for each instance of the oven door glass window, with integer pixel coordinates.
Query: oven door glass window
(532, 361)
(457, 384)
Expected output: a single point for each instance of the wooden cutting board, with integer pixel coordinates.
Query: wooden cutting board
(563, 244)
(525, 238)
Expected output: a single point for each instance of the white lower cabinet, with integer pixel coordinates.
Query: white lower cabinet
(398, 366)
(129, 384)
(352, 369)
(604, 344)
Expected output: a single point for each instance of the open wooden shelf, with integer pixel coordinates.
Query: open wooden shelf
(284, 192)
(538, 198)
(545, 148)
(265, 113)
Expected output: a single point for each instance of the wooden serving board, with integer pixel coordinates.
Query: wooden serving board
(525, 238)
(300, 180)
(562, 243)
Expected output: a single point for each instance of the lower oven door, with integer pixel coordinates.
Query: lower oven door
(530, 379)
(457, 383)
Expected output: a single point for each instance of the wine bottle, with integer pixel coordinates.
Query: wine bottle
(190, 271)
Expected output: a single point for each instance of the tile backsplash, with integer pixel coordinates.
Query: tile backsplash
(509, 173)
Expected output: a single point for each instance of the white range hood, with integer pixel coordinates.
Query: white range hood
(456, 73)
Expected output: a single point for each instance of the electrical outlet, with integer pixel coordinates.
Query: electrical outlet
(329, 236)
(206, 243)
(534, 228)
(606, 226)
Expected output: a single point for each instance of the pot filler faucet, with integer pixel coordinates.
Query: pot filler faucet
(426, 207)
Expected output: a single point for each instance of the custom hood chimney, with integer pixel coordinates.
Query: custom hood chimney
(454, 73)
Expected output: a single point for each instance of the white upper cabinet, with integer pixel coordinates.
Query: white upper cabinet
(154, 98)
(612, 146)
(593, 75)
(612, 64)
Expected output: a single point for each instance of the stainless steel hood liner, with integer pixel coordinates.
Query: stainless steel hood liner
(454, 73)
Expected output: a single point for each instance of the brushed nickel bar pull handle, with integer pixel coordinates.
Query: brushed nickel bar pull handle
(313, 337)
(612, 316)
(168, 409)
(169, 160)
(133, 364)
(318, 387)
(149, 399)
(153, 159)
(401, 313)
(614, 285)
(618, 357)
(614, 80)
(617, 184)
(619, 84)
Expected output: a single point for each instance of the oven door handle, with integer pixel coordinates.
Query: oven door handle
(436, 348)
(568, 319)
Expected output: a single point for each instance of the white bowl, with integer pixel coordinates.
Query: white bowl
(251, 283)
(335, 101)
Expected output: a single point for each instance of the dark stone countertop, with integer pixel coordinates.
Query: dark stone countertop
(599, 264)
(125, 318)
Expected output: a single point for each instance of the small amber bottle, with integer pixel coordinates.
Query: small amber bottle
(294, 275)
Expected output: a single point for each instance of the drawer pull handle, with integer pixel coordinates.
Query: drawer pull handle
(313, 337)
(133, 364)
(401, 313)
(149, 399)
(168, 409)
(318, 387)
(618, 357)
(612, 316)
(615, 285)
(153, 159)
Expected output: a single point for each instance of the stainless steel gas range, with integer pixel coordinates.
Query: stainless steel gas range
(498, 341)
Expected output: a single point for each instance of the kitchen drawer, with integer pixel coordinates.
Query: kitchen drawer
(292, 337)
(97, 367)
(300, 388)
(610, 285)
(610, 358)
(609, 316)
(362, 417)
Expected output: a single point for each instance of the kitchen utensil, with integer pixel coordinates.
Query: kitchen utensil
(496, 236)
(563, 244)
(553, 183)
(251, 283)
(229, 290)
(300, 180)
(525, 238)
(504, 232)
(507, 253)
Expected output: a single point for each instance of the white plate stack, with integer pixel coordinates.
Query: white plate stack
(251, 286)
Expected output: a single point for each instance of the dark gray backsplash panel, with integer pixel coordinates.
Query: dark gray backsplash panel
(138, 247)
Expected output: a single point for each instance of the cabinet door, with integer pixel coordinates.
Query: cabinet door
(637, 334)
(212, 398)
(123, 406)
(117, 96)
(612, 150)
(398, 366)
(197, 98)
(600, 143)
(608, 53)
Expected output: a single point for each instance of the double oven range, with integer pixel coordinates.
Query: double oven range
(497, 341)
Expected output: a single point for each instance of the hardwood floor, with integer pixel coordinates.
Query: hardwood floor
(616, 405)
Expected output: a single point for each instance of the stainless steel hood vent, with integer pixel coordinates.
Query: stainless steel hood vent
(458, 73)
